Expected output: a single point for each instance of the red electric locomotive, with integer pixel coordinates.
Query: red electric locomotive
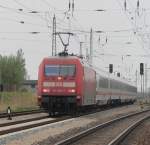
(65, 84)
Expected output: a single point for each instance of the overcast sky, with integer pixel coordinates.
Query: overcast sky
(127, 31)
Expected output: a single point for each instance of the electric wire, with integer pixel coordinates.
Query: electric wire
(59, 21)
(27, 8)
(21, 39)
(22, 22)
(132, 24)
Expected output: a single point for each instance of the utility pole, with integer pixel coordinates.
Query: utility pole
(91, 46)
(71, 7)
(146, 80)
(136, 75)
(54, 51)
(142, 78)
(86, 48)
(70, 13)
(81, 54)
(143, 85)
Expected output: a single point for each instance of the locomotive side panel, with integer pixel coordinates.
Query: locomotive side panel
(79, 84)
(39, 86)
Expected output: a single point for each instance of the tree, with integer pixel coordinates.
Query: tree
(12, 70)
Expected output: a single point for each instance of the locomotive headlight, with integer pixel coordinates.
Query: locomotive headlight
(46, 90)
(71, 90)
(39, 97)
(59, 78)
(78, 97)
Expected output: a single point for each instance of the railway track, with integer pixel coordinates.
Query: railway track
(3, 115)
(14, 126)
(14, 114)
(126, 132)
(22, 121)
(109, 133)
(29, 123)
(26, 123)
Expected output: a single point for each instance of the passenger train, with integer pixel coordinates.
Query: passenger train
(67, 84)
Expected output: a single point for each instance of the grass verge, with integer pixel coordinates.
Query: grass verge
(18, 101)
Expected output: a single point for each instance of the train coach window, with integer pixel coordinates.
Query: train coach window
(103, 82)
(67, 70)
(51, 70)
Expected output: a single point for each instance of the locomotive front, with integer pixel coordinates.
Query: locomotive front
(57, 84)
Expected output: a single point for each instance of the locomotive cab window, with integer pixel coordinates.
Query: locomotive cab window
(62, 70)
(67, 70)
(51, 70)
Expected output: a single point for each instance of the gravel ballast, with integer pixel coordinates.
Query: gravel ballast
(139, 136)
(49, 134)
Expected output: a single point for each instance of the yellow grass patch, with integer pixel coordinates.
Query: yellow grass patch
(18, 101)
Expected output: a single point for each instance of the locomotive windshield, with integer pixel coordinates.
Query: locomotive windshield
(51, 70)
(62, 70)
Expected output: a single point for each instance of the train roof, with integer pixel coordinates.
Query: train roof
(61, 57)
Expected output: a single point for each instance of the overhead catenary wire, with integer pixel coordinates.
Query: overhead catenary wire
(63, 10)
(50, 5)
(22, 22)
(134, 27)
(60, 21)
(81, 30)
(32, 32)
(21, 39)
(75, 30)
(27, 8)
(21, 11)
(54, 11)
(19, 3)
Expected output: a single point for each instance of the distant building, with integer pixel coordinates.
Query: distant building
(29, 85)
